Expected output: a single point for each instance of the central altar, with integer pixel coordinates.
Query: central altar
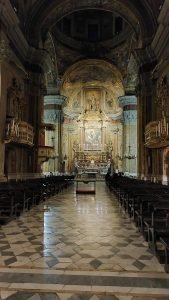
(93, 154)
(92, 131)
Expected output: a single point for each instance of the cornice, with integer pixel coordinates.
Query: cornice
(127, 100)
(54, 99)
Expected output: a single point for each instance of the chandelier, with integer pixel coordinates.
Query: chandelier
(129, 155)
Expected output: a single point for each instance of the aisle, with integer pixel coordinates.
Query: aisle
(71, 244)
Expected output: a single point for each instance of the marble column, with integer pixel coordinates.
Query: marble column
(82, 139)
(53, 114)
(4, 56)
(129, 105)
(103, 128)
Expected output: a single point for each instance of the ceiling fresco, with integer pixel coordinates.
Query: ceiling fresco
(88, 72)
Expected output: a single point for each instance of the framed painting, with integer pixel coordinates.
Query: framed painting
(92, 139)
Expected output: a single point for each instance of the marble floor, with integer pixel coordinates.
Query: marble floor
(74, 247)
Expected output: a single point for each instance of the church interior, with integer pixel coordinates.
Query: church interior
(84, 149)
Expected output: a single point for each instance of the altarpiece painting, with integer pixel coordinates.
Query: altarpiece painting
(92, 138)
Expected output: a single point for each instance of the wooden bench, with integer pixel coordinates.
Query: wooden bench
(165, 243)
(8, 207)
(158, 226)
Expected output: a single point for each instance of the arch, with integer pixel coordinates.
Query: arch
(93, 74)
(91, 62)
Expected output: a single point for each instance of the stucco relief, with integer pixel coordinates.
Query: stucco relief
(4, 50)
(76, 102)
(110, 102)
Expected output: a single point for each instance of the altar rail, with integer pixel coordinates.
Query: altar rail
(91, 147)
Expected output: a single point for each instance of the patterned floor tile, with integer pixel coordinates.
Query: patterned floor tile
(67, 296)
(75, 232)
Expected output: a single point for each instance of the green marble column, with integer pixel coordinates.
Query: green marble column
(53, 114)
(129, 105)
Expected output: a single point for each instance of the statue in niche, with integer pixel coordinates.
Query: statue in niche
(15, 101)
(93, 103)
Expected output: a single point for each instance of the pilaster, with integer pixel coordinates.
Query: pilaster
(53, 114)
(4, 56)
(146, 105)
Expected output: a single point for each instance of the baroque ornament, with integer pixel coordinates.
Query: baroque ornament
(162, 93)
(4, 50)
(50, 116)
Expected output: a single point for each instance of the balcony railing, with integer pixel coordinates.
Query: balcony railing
(19, 132)
(155, 137)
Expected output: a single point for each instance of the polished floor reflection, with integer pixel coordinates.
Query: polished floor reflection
(73, 242)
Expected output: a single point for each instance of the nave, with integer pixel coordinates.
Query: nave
(78, 247)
